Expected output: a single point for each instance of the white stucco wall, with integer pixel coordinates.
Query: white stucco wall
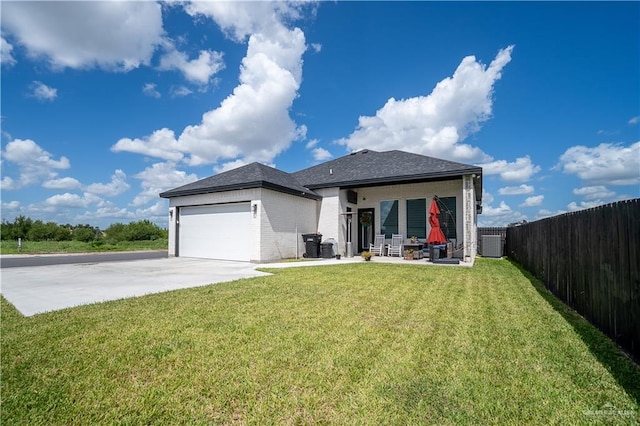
(282, 220)
(329, 211)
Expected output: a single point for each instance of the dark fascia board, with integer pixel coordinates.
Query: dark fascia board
(245, 185)
(422, 177)
(399, 180)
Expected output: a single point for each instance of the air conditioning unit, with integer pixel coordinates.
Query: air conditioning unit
(491, 246)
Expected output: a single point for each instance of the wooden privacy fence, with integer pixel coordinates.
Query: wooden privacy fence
(590, 260)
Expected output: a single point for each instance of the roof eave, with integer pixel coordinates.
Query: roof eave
(236, 187)
(395, 180)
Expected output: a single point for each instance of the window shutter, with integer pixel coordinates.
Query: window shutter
(417, 218)
(448, 216)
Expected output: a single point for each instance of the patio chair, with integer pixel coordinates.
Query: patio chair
(378, 245)
(395, 248)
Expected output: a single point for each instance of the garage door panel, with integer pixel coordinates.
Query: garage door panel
(215, 231)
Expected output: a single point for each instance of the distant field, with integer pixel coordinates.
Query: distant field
(43, 247)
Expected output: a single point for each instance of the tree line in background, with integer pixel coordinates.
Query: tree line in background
(37, 230)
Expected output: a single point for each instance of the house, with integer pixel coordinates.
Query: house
(257, 213)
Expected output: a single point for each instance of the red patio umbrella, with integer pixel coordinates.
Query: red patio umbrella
(436, 236)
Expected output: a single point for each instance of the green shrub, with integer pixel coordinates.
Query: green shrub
(143, 230)
(18, 229)
(50, 231)
(62, 233)
(116, 232)
(85, 233)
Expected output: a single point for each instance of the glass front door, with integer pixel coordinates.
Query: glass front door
(365, 224)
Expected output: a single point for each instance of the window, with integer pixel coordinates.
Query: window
(417, 218)
(448, 216)
(388, 218)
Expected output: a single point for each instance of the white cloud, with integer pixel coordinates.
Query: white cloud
(107, 211)
(229, 165)
(241, 19)
(532, 201)
(519, 171)
(158, 178)
(321, 154)
(117, 186)
(438, 123)
(252, 123)
(311, 144)
(72, 200)
(67, 183)
(501, 210)
(6, 58)
(160, 144)
(317, 47)
(151, 90)
(110, 35)
(634, 120)
(487, 197)
(199, 70)
(516, 190)
(12, 205)
(544, 213)
(8, 184)
(155, 211)
(35, 164)
(180, 91)
(573, 206)
(594, 192)
(43, 92)
(608, 164)
(499, 216)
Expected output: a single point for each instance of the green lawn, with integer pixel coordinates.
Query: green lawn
(41, 247)
(363, 344)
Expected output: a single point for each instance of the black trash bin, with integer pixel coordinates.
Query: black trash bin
(327, 250)
(312, 244)
(437, 251)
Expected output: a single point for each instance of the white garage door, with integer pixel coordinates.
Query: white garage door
(215, 232)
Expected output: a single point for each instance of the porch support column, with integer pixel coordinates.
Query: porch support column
(468, 214)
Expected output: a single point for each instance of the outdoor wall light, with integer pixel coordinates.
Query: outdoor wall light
(254, 209)
(170, 214)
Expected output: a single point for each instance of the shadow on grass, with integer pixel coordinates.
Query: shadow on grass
(607, 352)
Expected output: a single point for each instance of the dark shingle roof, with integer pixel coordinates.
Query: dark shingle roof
(362, 168)
(254, 175)
(375, 168)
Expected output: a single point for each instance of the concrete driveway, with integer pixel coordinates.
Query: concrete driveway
(34, 290)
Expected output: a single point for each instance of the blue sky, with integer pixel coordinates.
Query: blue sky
(106, 104)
